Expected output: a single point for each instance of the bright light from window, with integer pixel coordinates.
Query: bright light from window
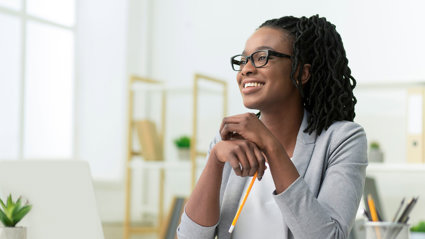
(9, 86)
(62, 12)
(49, 91)
(14, 4)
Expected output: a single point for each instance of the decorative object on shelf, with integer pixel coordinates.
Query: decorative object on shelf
(11, 213)
(375, 153)
(149, 140)
(415, 124)
(183, 145)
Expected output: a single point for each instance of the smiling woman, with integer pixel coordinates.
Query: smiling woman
(309, 156)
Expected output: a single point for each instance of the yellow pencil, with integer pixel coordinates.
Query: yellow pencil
(243, 203)
(373, 214)
(372, 208)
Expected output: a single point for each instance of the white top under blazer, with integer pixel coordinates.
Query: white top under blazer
(260, 214)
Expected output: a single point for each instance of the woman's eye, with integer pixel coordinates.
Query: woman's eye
(261, 58)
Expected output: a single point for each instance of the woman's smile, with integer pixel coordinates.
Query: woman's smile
(251, 86)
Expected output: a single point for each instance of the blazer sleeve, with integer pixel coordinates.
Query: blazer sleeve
(331, 213)
(188, 229)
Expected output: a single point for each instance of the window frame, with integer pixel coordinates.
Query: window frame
(25, 18)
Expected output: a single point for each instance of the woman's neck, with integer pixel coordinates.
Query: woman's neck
(284, 125)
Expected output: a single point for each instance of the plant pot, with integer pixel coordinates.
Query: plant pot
(417, 235)
(184, 153)
(376, 156)
(13, 232)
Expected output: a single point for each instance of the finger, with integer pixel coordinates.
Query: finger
(225, 132)
(240, 154)
(261, 162)
(234, 162)
(234, 119)
(229, 120)
(252, 157)
(230, 130)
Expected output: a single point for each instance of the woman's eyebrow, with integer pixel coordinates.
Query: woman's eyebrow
(259, 48)
(264, 48)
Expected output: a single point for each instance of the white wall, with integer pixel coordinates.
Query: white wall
(101, 86)
(101, 57)
(170, 40)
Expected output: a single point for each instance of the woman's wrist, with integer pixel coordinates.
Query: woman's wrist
(214, 160)
(273, 148)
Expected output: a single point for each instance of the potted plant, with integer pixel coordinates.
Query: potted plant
(375, 153)
(183, 145)
(418, 231)
(12, 212)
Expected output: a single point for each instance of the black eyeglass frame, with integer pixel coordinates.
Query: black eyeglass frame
(249, 58)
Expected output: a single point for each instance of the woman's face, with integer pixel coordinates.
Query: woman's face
(271, 87)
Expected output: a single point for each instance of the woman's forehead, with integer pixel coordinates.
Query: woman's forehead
(268, 38)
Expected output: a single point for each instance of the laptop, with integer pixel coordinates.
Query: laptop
(61, 194)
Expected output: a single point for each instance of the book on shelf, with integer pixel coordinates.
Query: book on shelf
(415, 125)
(149, 140)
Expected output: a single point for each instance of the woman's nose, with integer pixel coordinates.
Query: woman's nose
(249, 68)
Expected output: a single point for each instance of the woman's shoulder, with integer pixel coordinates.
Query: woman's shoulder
(344, 128)
(341, 132)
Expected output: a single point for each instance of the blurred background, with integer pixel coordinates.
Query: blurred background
(65, 70)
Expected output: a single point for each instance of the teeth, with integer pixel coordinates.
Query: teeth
(252, 84)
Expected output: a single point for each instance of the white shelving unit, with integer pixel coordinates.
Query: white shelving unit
(386, 122)
(399, 162)
(395, 167)
(138, 163)
(135, 161)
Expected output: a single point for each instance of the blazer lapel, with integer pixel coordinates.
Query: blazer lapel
(304, 147)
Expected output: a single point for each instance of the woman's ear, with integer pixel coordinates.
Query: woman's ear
(305, 73)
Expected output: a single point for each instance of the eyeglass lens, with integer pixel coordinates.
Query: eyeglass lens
(258, 59)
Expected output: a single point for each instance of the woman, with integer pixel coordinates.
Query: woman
(309, 155)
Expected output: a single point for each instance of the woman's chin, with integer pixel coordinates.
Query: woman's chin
(251, 105)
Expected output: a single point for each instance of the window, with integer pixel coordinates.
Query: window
(37, 79)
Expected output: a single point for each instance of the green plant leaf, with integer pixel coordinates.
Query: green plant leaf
(2, 204)
(374, 145)
(182, 142)
(21, 213)
(5, 220)
(9, 211)
(9, 201)
(13, 212)
(18, 202)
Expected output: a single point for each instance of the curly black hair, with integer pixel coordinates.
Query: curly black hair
(328, 94)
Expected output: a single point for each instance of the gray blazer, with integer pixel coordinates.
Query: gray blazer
(321, 203)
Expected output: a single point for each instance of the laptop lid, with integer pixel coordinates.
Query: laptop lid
(62, 196)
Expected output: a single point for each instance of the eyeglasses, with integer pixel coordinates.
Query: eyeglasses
(258, 59)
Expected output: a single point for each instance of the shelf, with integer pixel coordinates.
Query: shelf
(390, 84)
(395, 167)
(134, 159)
(138, 163)
(182, 88)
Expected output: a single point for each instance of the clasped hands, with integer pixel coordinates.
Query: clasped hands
(243, 145)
